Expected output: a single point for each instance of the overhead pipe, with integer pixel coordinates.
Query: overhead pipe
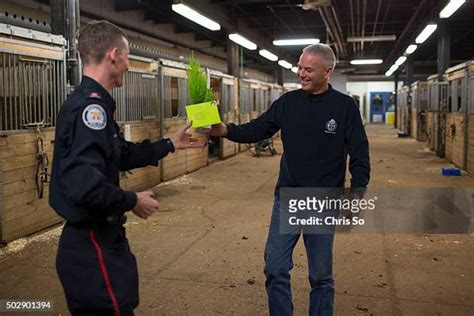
(376, 19)
(358, 20)
(352, 25)
(336, 34)
(329, 30)
(338, 24)
(363, 24)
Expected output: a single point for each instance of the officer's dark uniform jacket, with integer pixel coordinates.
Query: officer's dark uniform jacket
(88, 156)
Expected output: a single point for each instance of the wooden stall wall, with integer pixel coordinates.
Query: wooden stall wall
(136, 100)
(32, 89)
(458, 134)
(142, 178)
(413, 122)
(470, 149)
(1, 199)
(196, 158)
(174, 164)
(455, 138)
(23, 212)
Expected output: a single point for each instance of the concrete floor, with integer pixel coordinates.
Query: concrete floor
(202, 254)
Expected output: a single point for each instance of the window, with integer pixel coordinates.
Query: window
(138, 98)
(175, 96)
(32, 91)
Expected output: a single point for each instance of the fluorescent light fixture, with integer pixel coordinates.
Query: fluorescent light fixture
(366, 61)
(242, 41)
(295, 42)
(391, 70)
(294, 69)
(427, 31)
(265, 53)
(376, 38)
(195, 16)
(400, 60)
(450, 8)
(285, 64)
(410, 49)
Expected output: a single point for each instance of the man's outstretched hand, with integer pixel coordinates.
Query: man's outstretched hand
(182, 139)
(219, 130)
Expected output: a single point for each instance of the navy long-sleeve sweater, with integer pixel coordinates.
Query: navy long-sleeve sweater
(318, 131)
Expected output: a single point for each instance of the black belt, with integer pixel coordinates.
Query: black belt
(113, 220)
(119, 219)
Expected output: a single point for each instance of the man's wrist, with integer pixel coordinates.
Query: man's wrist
(170, 145)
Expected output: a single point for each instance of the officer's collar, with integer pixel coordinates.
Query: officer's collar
(96, 90)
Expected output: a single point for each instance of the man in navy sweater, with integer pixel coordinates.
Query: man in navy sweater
(319, 126)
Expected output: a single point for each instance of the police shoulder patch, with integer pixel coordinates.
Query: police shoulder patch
(94, 117)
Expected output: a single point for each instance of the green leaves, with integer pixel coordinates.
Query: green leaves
(197, 83)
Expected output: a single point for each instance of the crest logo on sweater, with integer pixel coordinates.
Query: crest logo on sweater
(331, 127)
(94, 117)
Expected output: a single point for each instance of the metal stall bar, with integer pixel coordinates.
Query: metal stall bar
(182, 96)
(10, 91)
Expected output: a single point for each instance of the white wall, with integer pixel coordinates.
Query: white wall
(364, 88)
(338, 82)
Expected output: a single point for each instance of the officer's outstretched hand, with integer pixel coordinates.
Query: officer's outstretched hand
(182, 140)
(146, 204)
(218, 130)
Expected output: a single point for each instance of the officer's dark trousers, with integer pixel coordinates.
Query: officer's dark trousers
(97, 270)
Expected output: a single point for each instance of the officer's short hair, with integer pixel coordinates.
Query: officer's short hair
(323, 50)
(96, 38)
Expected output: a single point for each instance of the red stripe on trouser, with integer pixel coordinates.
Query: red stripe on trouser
(105, 274)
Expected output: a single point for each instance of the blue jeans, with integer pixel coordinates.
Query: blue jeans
(279, 262)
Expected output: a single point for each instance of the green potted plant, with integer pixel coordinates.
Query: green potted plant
(203, 108)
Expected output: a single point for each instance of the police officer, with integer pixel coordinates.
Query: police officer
(94, 262)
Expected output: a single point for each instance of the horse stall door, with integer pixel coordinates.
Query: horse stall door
(138, 116)
(470, 100)
(32, 89)
(244, 110)
(214, 144)
(174, 164)
(228, 148)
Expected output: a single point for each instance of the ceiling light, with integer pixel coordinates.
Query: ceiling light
(391, 70)
(400, 60)
(294, 69)
(429, 29)
(366, 61)
(242, 41)
(298, 41)
(265, 53)
(195, 16)
(285, 64)
(410, 49)
(376, 38)
(450, 8)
